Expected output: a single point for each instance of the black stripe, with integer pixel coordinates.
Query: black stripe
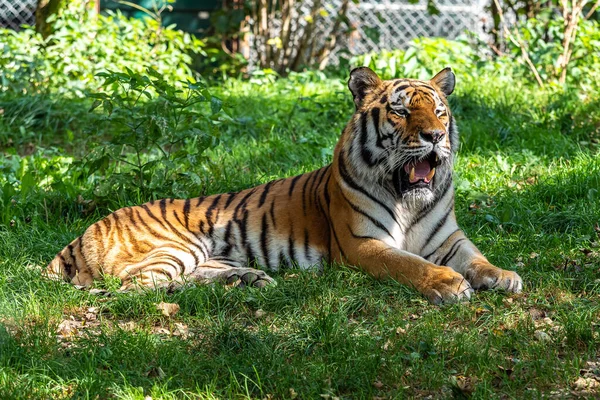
(129, 212)
(375, 222)
(200, 200)
(67, 266)
(337, 241)
(441, 244)
(272, 213)
(375, 115)
(229, 246)
(314, 185)
(326, 192)
(350, 182)
(185, 239)
(365, 153)
(263, 196)
(163, 208)
(151, 215)
(438, 226)
(317, 192)
(209, 212)
(306, 245)
(431, 205)
(186, 213)
(264, 234)
(294, 180)
(383, 99)
(149, 229)
(452, 251)
(291, 245)
(401, 88)
(359, 236)
(243, 224)
(230, 199)
(242, 202)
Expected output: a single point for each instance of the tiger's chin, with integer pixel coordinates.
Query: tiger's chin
(418, 196)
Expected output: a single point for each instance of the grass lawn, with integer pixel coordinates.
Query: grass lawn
(528, 195)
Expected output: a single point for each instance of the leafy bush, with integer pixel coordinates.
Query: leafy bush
(84, 44)
(154, 145)
(471, 61)
(422, 59)
(544, 35)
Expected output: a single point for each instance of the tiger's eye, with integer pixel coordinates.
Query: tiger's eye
(402, 112)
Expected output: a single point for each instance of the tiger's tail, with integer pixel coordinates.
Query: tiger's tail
(70, 265)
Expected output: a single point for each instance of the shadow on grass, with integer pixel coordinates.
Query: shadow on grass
(230, 349)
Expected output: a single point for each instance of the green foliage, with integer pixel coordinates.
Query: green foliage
(84, 44)
(544, 36)
(426, 56)
(423, 58)
(157, 131)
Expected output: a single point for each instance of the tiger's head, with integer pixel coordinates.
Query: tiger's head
(403, 133)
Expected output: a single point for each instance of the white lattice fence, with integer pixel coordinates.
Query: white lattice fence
(14, 13)
(389, 24)
(376, 24)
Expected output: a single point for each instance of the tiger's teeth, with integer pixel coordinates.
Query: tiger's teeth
(430, 174)
(411, 177)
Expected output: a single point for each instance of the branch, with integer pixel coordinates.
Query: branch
(592, 10)
(518, 41)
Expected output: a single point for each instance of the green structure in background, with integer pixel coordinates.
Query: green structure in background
(189, 15)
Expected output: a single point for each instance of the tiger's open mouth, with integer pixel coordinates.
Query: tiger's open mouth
(418, 173)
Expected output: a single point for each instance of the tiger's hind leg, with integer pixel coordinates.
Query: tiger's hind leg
(229, 272)
(161, 272)
(162, 268)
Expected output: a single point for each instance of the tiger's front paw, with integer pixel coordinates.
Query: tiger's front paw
(487, 276)
(444, 285)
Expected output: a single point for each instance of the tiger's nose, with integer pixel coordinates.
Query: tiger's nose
(433, 136)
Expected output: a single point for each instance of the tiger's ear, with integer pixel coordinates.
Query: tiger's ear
(445, 80)
(362, 81)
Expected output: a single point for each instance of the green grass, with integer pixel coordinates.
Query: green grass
(528, 194)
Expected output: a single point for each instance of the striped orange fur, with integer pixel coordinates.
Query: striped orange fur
(385, 205)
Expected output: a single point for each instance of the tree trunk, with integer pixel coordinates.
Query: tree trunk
(46, 8)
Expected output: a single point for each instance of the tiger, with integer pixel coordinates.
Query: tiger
(385, 205)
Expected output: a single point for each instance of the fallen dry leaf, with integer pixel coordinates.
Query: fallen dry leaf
(68, 328)
(585, 384)
(127, 326)
(161, 331)
(377, 384)
(465, 384)
(168, 309)
(181, 330)
(400, 330)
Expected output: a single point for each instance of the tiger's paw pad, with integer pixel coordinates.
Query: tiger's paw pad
(491, 277)
(447, 286)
